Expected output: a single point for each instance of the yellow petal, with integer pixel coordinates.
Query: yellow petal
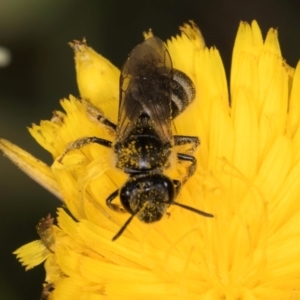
(192, 41)
(294, 105)
(247, 48)
(97, 79)
(32, 254)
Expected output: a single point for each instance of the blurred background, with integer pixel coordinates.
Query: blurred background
(37, 69)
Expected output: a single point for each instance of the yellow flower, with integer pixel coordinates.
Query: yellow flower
(248, 177)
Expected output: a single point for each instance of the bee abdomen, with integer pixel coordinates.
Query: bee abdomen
(183, 92)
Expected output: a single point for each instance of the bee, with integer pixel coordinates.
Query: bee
(152, 94)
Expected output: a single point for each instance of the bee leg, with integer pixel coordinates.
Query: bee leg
(85, 141)
(191, 168)
(106, 122)
(111, 205)
(184, 140)
(96, 115)
(177, 186)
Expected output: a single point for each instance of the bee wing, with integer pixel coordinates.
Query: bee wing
(145, 87)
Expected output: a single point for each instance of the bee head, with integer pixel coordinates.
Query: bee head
(147, 197)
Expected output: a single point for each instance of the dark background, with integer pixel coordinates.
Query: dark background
(42, 72)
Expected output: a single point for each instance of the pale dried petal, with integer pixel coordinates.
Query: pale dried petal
(33, 167)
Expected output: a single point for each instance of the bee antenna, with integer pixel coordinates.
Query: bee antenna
(197, 211)
(123, 228)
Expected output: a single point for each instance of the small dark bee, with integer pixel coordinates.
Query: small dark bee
(152, 94)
